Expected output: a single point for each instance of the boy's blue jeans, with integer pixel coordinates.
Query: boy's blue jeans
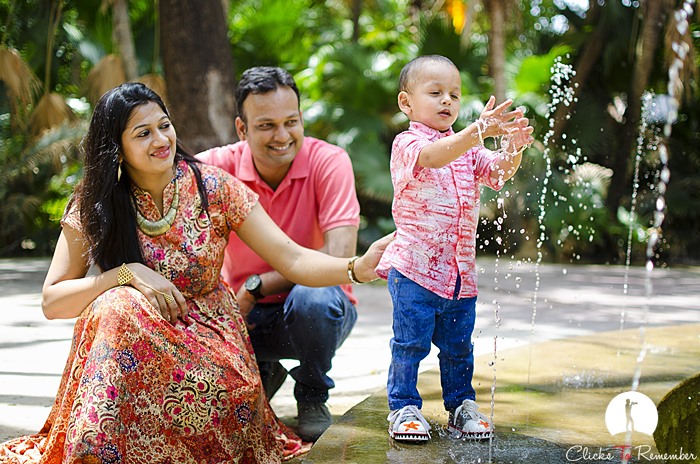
(309, 326)
(422, 317)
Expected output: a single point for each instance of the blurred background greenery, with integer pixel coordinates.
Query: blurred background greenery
(575, 198)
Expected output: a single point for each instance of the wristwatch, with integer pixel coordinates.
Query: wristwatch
(253, 285)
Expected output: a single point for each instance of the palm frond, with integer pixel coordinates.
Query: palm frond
(105, 75)
(155, 83)
(53, 147)
(595, 176)
(51, 111)
(21, 82)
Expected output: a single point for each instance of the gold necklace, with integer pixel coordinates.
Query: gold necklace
(162, 225)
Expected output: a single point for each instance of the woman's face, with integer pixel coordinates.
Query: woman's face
(148, 143)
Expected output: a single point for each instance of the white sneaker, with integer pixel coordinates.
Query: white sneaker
(408, 424)
(467, 421)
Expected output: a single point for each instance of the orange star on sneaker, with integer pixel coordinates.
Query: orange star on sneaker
(466, 421)
(408, 424)
(411, 426)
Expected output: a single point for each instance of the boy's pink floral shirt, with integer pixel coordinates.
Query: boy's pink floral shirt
(436, 212)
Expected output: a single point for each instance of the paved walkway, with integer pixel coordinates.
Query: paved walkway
(532, 304)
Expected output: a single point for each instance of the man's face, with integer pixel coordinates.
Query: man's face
(274, 128)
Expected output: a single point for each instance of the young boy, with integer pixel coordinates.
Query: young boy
(430, 266)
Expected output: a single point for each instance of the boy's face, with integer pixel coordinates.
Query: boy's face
(434, 96)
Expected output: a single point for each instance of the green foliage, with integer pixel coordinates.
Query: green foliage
(535, 71)
(38, 176)
(347, 70)
(277, 32)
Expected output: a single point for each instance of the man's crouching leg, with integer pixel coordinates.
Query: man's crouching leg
(317, 321)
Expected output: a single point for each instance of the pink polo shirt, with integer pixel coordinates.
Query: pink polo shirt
(436, 212)
(317, 194)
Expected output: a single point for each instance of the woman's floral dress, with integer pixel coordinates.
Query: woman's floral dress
(139, 390)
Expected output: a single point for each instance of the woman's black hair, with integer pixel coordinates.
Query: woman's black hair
(107, 213)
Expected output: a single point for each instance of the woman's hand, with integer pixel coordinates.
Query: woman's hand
(365, 264)
(160, 292)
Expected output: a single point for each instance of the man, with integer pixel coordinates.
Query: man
(307, 187)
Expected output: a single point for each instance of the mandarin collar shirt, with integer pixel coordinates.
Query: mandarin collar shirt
(436, 212)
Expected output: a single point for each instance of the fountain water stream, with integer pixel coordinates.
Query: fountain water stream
(680, 50)
(562, 93)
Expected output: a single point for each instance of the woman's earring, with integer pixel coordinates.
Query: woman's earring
(119, 171)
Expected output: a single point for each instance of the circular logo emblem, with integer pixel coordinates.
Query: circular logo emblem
(631, 411)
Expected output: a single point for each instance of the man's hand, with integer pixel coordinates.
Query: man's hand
(246, 302)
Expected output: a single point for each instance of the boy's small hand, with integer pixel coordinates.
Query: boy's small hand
(521, 134)
(496, 121)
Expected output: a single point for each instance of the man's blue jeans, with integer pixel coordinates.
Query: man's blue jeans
(309, 326)
(422, 317)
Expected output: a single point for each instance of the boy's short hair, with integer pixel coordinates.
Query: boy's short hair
(408, 73)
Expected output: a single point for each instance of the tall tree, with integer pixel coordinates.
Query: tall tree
(654, 14)
(121, 31)
(497, 47)
(198, 71)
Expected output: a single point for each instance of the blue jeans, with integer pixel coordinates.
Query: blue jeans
(309, 326)
(422, 317)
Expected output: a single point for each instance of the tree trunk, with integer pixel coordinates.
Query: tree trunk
(655, 12)
(121, 31)
(584, 65)
(198, 72)
(466, 34)
(356, 10)
(497, 52)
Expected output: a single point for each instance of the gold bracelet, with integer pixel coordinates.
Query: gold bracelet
(124, 275)
(351, 271)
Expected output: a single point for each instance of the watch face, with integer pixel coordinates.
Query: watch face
(253, 283)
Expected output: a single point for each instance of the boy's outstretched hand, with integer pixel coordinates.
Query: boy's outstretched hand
(519, 136)
(495, 121)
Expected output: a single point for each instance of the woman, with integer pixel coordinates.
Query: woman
(161, 368)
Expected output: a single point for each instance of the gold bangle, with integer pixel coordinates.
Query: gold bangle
(351, 271)
(124, 275)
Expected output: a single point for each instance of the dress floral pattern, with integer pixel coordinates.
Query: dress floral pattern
(138, 390)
